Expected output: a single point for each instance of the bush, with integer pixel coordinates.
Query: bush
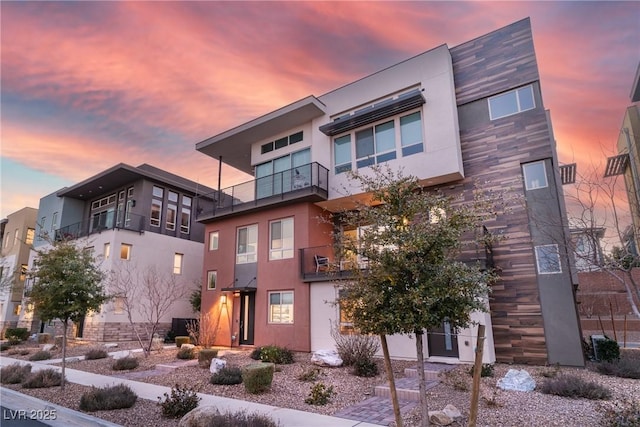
(365, 368)
(181, 401)
(104, 399)
(354, 347)
(14, 373)
(43, 379)
(257, 377)
(574, 387)
(186, 353)
(5, 346)
(485, 371)
(227, 376)
(275, 354)
(607, 350)
(125, 364)
(241, 419)
(255, 354)
(624, 413)
(623, 368)
(16, 335)
(310, 374)
(319, 395)
(44, 338)
(40, 355)
(182, 340)
(205, 356)
(170, 336)
(95, 353)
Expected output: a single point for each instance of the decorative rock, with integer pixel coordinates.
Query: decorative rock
(48, 347)
(216, 365)
(157, 344)
(202, 416)
(121, 354)
(518, 380)
(110, 345)
(452, 411)
(187, 346)
(439, 418)
(326, 358)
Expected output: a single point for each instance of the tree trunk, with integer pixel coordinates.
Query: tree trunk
(392, 383)
(64, 350)
(423, 386)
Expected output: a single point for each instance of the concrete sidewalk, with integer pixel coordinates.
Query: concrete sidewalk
(286, 417)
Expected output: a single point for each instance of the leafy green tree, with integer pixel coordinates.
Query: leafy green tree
(68, 284)
(411, 238)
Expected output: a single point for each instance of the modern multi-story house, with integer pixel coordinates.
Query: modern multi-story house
(136, 220)
(449, 116)
(17, 232)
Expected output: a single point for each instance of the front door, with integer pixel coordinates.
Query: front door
(247, 317)
(443, 341)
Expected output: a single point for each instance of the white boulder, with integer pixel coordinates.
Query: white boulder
(326, 358)
(216, 365)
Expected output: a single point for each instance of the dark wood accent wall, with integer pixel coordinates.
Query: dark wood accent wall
(492, 154)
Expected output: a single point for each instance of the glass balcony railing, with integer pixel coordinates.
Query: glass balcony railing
(309, 181)
(99, 223)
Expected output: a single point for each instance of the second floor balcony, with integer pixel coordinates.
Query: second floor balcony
(308, 182)
(101, 222)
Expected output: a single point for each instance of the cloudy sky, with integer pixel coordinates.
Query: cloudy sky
(87, 85)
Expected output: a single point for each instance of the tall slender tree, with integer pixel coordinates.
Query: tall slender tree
(410, 239)
(67, 285)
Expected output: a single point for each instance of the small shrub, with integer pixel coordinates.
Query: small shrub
(23, 351)
(125, 364)
(205, 356)
(257, 377)
(104, 399)
(485, 371)
(552, 372)
(14, 373)
(40, 355)
(587, 349)
(43, 379)
(275, 354)
(181, 401)
(623, 368)
(186, 353)
(170, 336)
(227, 376)
(182, 340)
(44, 338)
(16, 335)
(255, 354)
(624, 413)
(354, 347)
(95, 353)
(5, 346)
(241, 419)
(365, 368)
(491, 398)
(310, 374)
(319, 395)
(607, 350)
(456, 378)
(574, 387)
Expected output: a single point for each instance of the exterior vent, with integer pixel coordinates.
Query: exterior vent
(616, 165)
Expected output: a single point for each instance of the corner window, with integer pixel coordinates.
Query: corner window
(177, 263)
(125, 251)
(247, 245)
(512, 102)
(535, 175)
(281, 307)
(212, 278)
(281, 239)
(213, 240)
(548, 259)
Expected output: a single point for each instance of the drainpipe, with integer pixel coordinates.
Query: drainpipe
(219, 177)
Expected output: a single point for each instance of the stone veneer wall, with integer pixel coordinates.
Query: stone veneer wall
(118, 331)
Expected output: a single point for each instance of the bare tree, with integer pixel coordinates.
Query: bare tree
(147, 296)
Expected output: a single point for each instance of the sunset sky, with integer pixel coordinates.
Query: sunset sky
(87, 85)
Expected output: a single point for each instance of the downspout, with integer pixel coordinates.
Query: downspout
(219, 177)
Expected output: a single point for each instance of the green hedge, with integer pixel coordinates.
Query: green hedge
(257, 377)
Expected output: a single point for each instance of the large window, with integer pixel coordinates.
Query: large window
(512, 102)
(281, 307)
(342, 154)
(548, 259)
(535, 175)
(177, 263)
(247, 245)
(411, 134)
(281, 239)
(213, 240)
(283, 174)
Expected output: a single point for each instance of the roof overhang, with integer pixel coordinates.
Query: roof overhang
(234, 145)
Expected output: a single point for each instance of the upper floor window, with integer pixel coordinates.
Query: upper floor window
(212, 278)
(535, 175)
(158, 192)
(24, 268)
(30, 235)
(186, 200)
(375, 145)
(512, 102)
(342, 154)
(283, 174)
(213, 240)
(16, 237)
(281, 143)
(177, 263)
(548, 259)
(247, 245)
(107, 250)
(156, 214)
(185, 220)
(411, 134)
(171, 217)
(172, 196)
(125, 251)
(54, 221)
(281, 239)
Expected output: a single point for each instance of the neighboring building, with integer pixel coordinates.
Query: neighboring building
(17, 232)
(587, 248)
(449, 116)
(135, 219)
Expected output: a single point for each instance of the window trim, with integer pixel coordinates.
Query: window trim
(526, 180)
(519, 109)
(280, 304)
(213, 247)
(212, 274)
(541, 256)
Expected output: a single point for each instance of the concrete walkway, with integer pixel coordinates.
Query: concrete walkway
(286, 417)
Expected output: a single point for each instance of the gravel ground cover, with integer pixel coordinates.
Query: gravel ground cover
(496, 408)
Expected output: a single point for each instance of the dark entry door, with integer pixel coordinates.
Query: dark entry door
(247, 317)
(443, 341)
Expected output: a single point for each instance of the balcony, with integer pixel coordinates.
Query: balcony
(99, 223)
(308, 182)
(321, 263)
